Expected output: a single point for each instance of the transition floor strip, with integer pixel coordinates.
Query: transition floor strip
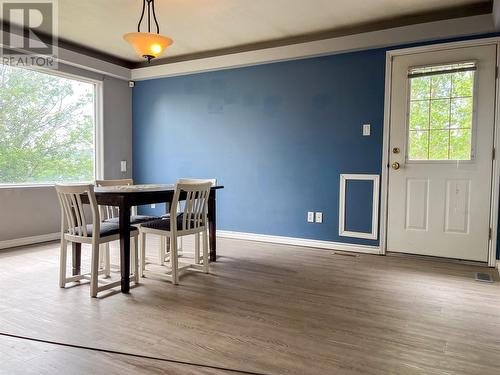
(141, 356)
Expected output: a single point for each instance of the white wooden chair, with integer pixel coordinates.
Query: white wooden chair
(110, 214)
(74, 228)
(191, 220)
(165, 246)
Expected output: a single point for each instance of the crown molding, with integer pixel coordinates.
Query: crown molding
(80, 57)
(443, 29)
(425, 17)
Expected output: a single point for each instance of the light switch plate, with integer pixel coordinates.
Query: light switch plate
(319, 217)
(310, 217)
(123, 166)
(366, 130)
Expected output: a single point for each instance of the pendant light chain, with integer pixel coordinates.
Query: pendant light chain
(151, 10)
(142, 16)
(149, 16)
(154, 18)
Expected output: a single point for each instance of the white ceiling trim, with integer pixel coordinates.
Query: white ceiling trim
(93, 64)
(375, 39)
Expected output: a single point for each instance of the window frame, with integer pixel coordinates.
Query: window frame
(474, 117)
(98, 128)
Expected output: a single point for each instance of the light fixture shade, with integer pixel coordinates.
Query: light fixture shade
(148, 45)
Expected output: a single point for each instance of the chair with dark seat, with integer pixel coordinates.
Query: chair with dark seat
(74, 228)
(190, 219)
(165, 245)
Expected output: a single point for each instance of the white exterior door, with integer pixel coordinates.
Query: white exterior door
(441, 148)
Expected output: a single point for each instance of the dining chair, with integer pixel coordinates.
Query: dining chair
(165, 245)
(75, 228)
(192, 219)
(111, 214)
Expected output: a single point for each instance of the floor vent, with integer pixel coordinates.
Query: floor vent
(346, 254)
(484, 277)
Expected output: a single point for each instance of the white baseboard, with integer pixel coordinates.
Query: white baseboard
(294, 241)
(498, 266)
(29, 240)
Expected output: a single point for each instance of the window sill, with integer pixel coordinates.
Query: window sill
(40, 185)
(20, 186)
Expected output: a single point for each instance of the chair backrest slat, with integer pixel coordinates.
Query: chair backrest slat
(194, 211)
(75, 211)
(67, 215)
(81, 214)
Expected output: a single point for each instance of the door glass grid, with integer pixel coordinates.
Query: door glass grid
(441, 112)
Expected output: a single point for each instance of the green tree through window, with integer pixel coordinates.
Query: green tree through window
(46, 127)
(440, 112)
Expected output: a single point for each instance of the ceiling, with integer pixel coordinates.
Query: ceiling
(198, 26)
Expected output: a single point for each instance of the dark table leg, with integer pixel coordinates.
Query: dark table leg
(125, 245)
(212, 220)
(76, 257)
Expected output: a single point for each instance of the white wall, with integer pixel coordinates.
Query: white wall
(34, 211)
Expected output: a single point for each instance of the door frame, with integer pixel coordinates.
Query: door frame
(495, 171)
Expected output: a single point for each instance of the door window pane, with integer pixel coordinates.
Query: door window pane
(440, 114)
(461, 113)
(441, 86)
(438, 144)
(419, 118)
(459, 144)
(419, 145)
(463, 84)
(440, 117)
(421, 88)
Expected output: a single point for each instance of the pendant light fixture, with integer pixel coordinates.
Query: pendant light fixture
(147, 44)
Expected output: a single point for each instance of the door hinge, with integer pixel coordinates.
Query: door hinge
(489, 234)
(494, 153)
(496, 71)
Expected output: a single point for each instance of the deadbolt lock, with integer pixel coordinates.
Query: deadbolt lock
(396, 150)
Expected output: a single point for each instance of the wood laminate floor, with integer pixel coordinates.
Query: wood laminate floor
(271, 309)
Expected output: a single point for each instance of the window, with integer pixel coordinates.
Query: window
(440, 120)
(47, 127)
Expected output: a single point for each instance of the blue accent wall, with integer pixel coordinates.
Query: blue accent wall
(277, 136)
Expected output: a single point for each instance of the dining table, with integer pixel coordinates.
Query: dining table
(127, 196)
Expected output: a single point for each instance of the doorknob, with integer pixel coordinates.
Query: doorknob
(395, 166)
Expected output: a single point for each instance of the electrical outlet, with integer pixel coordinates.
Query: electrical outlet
(153, 205)
(366, 130)
(310, 217)
(123, 166)
(319, 217)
